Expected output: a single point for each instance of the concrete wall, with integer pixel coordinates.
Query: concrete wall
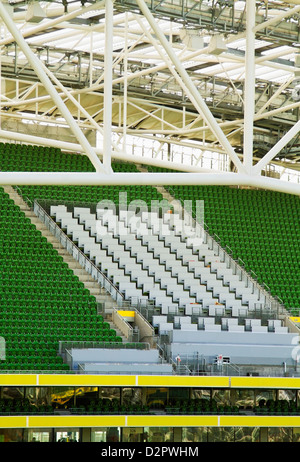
(145, 329)
(122, 325)
(263, 355)
(99, 355)
(128, 368)
(226, 337)
(291, 326)
(255, 348)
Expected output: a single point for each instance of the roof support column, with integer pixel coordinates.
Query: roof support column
(277, 148)
(91, 178)
(249, 98)
(196, 97)
(108, 64)
(296, 128)
(49, 87)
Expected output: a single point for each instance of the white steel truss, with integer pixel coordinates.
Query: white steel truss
(113, 69)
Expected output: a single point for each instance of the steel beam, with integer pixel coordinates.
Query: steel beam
(198, 101)
(154, 179)
(108, 64)
(249, 99)
(277, 148)
(35, 62)
(276, 19)
(48, 24)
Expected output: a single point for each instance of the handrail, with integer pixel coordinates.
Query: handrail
(263, 289)
(94, 270)
(238, 264)
(122, 325)
(122, 301)
(63, 345)
(26, 198)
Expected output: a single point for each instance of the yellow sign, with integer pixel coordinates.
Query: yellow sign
(295, 318)
(127, 315)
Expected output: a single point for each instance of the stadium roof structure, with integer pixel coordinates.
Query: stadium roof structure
(211, 77)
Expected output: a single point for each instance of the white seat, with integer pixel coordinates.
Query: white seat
(212, 327)
(165, 327)
(156, 320)
(216, 310)
(259, 328)
(281, 329)
(188, 327)
(128, 242)
(208, 320)
(235, 328)
(193, 309)
(56, 209)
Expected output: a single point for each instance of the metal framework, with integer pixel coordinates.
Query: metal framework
(209, 77)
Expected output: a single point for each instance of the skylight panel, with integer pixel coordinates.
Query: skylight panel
(282, 49)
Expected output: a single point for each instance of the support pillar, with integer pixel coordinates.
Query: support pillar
(277, 148)
(49, 87)
(249, 94)
(189, 84)
(108, 63)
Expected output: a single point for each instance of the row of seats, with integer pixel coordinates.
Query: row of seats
(260, 227)
(23, 406)
(42, 301)
(153, 259)
(196, 406)
(20, 157)
(210, 324)
(35, 159)
(248, 221)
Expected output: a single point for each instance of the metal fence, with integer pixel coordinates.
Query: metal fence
(77, 254)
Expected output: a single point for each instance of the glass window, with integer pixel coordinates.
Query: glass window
(84, 395)
(243, 399)
(38, 395)
(281, 435)
(105, 434)
(157, 398)
(65, 435)
(298, 397)
(12, 435)
(224, 434)
(287, 395)
(39, 436)
(178, 394)
(247, 435)
(160, 434)
(131, 396)
(135, 435)
(194, 434)
(13, 392)
(62, 397)
(110, 393)
(296, 435)
(263, 396)
(200, 394)
(221, 397)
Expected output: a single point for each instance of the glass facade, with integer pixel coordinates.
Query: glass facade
(157, 398)
(153, 435)
(158, 401)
